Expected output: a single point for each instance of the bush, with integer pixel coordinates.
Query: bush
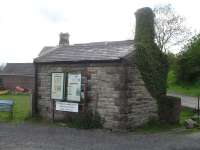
(188, 62)
(169, 109)
(171, 58)
(85, 120)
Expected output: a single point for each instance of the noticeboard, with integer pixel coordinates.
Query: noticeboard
(57, 85)
(67, 106)
(74, 87)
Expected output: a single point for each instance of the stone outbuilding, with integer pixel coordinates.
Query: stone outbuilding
(111, 84)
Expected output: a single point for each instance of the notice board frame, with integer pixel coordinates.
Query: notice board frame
(64, 97)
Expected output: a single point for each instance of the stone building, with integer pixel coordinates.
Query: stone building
(111, 83)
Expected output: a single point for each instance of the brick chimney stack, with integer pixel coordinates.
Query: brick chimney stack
(64, 39)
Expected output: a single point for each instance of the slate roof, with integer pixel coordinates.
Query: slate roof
(24, 69)
(98, 51)
(46, 50)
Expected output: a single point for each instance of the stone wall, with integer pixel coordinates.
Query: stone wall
(106, 92)
(115, 90)
(141, 105)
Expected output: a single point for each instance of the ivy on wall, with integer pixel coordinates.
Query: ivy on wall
(151, 62)
(153, 67)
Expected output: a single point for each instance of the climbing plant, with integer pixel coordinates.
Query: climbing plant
(151, 62)
(153, 66)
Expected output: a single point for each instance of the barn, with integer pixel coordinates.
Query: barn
(17, 74)
(101, 77)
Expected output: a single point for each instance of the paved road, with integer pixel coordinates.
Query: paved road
(186, 100)
(43, 137)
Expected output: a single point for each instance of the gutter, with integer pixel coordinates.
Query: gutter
(78, 62)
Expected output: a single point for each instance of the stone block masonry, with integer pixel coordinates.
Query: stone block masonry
(115, 90)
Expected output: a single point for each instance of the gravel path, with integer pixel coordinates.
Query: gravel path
(187, 101)
(43, 137)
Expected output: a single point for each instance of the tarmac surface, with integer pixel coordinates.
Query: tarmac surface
(187, 101)
(45, 137)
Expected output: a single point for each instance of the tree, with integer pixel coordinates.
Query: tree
(169, 28)
(188, 62)
(171, 60)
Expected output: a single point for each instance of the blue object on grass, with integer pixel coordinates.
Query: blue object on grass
(7, 106)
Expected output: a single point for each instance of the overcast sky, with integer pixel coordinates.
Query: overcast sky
(26, 26)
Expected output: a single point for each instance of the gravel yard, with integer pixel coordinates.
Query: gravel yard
(44, 137)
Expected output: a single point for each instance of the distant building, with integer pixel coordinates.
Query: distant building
(17, 74)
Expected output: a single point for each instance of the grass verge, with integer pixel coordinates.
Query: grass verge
(22, 112)
(192, 89)
(21, 108)
(156, 126)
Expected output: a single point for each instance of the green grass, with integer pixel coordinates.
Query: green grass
(21, 108)
(192, 89)
(186, 113)
(156, 126)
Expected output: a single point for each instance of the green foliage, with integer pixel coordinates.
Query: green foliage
(172, 60)
(191, 89)
(144, 31)
(186, 113)
(171, 79)
(169, 109)
(151, 62)
(153, 66)
(85, 120)
(154, 126)
(188, 62)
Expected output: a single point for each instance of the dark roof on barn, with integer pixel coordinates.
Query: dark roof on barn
(23, 69)
(98, 51)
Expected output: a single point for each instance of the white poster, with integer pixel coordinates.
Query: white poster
(66, 106)
(74, 87)
(57, 86)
